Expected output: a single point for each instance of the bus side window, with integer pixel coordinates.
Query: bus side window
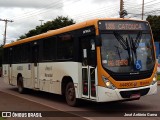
(88, 51)
(49, 46)
(6, 53)
(65, 47)
(92, 53)
(25, 49)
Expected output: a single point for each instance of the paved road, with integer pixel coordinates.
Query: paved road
(41, 101)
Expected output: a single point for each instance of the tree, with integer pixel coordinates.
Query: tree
(155, 25)
(57, 23)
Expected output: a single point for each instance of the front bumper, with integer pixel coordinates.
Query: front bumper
(106, 95)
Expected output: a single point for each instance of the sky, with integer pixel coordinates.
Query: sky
(27, 14)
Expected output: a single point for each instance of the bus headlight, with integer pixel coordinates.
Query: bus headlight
(108, 83)
(154, 79)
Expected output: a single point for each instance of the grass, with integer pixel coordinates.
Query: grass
(2, 118)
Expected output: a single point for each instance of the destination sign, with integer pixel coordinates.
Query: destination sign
(123, 25)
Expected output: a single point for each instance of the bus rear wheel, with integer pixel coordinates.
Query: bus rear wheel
(20, 85)
(70, 94)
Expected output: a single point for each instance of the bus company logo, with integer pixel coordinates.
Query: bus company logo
(6, 114)
(86, 31)
(21, 115)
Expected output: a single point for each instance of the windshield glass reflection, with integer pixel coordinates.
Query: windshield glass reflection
(127, 51)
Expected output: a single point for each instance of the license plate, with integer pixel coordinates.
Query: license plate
(135, 96)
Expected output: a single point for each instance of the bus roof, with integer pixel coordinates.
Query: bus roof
(62, 30)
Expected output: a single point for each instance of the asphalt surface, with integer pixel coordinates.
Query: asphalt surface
(55, 106)
(10, 102)
(15, 104)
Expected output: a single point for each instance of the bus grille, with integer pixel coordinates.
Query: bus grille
(120, 77)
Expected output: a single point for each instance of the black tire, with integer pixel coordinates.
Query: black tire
(70, 94)
(20, 85)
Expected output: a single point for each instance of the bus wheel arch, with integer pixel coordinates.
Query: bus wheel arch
(65, 81)
(68, 90)
(20, 84)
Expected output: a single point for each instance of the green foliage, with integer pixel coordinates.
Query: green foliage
(158, 77)
(155, 25)
(57, 23)
(2, 118)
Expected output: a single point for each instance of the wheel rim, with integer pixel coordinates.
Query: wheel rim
(70, 95)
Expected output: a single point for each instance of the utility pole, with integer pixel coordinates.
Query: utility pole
(122, 12)
(142, 9)
(121, 8)
(5, 31)
(41, 21)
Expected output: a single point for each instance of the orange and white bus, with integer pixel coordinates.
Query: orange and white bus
(99, 60)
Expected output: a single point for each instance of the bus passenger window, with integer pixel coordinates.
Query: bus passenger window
(65, 47)
(49, 46)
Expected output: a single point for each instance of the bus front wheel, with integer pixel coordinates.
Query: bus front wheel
(20, 85)
(70, 94)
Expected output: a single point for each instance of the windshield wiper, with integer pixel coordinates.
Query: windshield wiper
(124, 43)
(135, 44)
(130, 45)
(120, 39)
(118, 51)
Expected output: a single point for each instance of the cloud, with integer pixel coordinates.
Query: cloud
(26, 15)
(24, 19)
(29, 3)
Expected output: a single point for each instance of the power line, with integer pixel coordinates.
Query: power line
(35, 11)
(58, 5)
(44, 10)
(39, 12)
(79, 16)
(133, 9)
(97, 12)
(138, 6)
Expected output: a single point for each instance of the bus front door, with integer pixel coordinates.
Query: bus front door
(35, 55)
(88, 58)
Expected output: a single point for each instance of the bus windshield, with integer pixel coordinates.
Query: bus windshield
(127, 51)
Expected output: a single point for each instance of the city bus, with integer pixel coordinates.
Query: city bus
(98, 60)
